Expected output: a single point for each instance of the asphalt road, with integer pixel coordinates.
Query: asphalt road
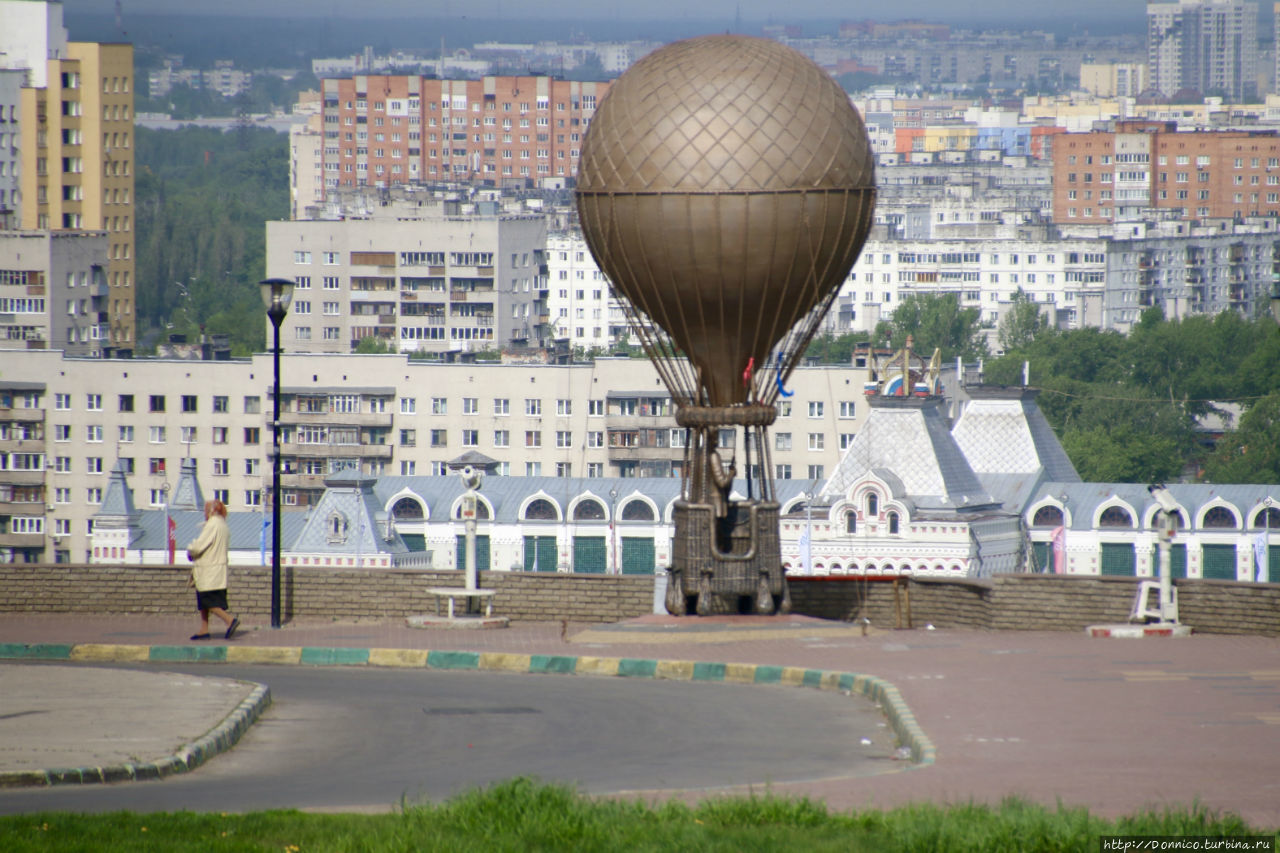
(370, 739)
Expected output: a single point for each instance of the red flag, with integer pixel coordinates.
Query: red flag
(173, 538)
(746, 374)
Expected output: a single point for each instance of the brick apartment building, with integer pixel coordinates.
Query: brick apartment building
(382, 130)
(1115, 175)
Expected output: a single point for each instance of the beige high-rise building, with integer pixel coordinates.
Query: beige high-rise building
(1210, 46)
(75, 134)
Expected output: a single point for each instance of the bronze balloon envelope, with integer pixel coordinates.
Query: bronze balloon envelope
(726, 186)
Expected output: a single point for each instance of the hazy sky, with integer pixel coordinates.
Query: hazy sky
(755, 10)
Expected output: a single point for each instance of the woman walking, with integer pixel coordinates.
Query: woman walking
(208, 554)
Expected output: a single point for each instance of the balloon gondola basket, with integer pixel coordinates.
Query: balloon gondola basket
(727, 565)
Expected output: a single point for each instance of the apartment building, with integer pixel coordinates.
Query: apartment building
(430, 277)
(11, 81)
(1210, 46)
(580, 298)
(1113, 79)
(1080, 277)
(53, 290)
(383, 130)
(75, 135)
(65, 422)
(1120, 174)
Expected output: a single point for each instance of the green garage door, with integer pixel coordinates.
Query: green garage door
(482, 552)
(589, 554)
(1040, 557)
(1177, 562)
(540, 554)
(638, 555)
(414, 541)
(1219, 562)
(1273, 565)
(1119, 558)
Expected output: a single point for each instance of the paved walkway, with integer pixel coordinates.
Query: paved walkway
(1114, 725)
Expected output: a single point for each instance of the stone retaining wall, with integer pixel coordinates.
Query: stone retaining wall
(380, 593)
(1035, 602)
(1006, 602)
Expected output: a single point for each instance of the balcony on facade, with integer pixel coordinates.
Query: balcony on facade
(22, 540)
(339, 451)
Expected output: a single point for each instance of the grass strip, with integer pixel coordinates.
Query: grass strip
(523, 814)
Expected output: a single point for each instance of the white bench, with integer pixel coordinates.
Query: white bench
(456, 592)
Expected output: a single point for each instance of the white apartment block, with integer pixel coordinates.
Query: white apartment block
(1082, 277)
(306, 165)
(65, 421)
(579, 295)
(429, 277)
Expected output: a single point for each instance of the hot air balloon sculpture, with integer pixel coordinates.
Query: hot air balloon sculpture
(725, 187)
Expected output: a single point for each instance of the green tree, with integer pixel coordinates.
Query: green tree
(202, 198)
(835, 349)
(938, 321)
(1250, 454)
(1021, 324)
(371, 345)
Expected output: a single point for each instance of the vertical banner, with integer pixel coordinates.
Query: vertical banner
(1059, 541)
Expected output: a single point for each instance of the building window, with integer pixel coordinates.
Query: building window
(782, 472)
(850, 522)
(188, 435)
(782, 441)
(252, 435)
(873, 505)
(188, 403)
(846, 409)
(408, 438)
(221, 404)
(815, 408)
(501, 406)
(439, 406)
(157, 402)
(816, 472)
(893, 523)
(532, 438)
(564, 408)
(470, 437)
(533, 407)
(817, 441)
(470, 405)
(501, 438)
(62, 402)
(595, 408)
(439, 438)
(408, 405)
(408, 468)
(126, 402)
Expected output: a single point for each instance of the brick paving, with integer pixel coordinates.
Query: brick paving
(1114, 725)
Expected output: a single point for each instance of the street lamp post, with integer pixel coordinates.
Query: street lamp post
(613, 528)
(277, 293)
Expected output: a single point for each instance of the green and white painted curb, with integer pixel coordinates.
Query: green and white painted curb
(883, 693)
(217, 740)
